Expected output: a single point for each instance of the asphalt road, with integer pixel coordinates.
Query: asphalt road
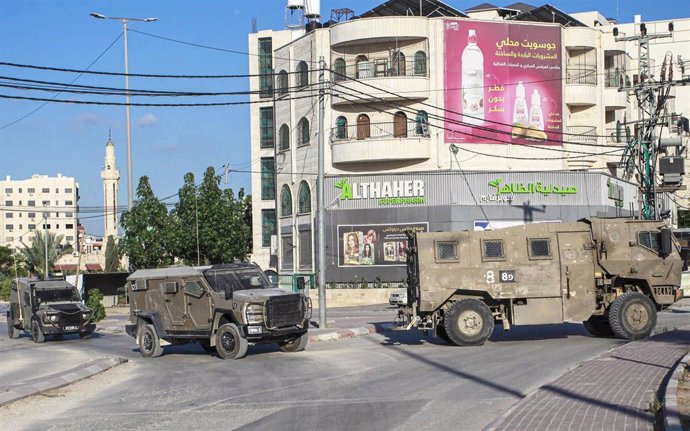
(393, 381)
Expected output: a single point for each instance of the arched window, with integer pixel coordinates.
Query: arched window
(285, 201)
(421, 120)
(339, 70)
(284, 138)
(363, 67)
(302, 74)
(304, 198)
(363, 126)
(303, 132)
(420, 63)
(341, 128)
(398, 68)
(282, 85)
(400, 125)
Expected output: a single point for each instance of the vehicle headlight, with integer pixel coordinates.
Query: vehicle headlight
(85, 316)
(53, 318)
(254, 313)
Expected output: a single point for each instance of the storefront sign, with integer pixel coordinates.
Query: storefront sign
(375, 244)
(386, 192)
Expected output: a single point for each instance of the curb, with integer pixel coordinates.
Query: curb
(671, 410)
(349, 333)
(19, 391)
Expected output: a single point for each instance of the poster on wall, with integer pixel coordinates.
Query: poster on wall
(503, 83)
(375, 244)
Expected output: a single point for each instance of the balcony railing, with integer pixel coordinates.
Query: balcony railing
(615, 78)
(379, 131)
(381, 68)
(586, 75)
(581, 134)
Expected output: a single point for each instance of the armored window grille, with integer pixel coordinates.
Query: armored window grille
(493, 249)
(171, 287)
(447, 251)
(649, 240)
(193, 288)
(268, 178)
(140, 285)
(539, 248)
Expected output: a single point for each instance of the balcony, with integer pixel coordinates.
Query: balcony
(380, 142)
(581, 85)
(581, 134)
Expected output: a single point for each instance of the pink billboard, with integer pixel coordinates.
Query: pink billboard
(502, 83)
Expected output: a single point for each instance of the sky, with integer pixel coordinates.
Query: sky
(167, 142)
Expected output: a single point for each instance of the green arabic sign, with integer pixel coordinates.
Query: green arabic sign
(531, 188)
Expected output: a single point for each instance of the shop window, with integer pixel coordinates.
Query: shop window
(339, 70)
(284, 138)
(285, 201)
(447, 251)
(539, 248)
(302, 74)
(304, 198)
(341, 128)
(420, 63)
(492, 249)
(363, 127)
(400, 125)
(303, 132)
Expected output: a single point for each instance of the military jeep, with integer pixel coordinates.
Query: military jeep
(50, 307)
(222, 307)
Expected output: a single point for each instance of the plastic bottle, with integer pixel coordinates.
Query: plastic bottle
(536, 116)
(472, 81)
(520, 112)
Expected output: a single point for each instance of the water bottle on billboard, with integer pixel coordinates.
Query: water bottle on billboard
(472, 81)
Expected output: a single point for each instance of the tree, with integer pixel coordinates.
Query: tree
(215, 234)
(683, 218)
(6, 261)
(95, 302)
(183, 222)
(112, 255)
(34, 255)
(240, 223)
(146, 230)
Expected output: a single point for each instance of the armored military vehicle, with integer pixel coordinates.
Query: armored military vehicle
(611, 274)
(223, 307)
(51, 307)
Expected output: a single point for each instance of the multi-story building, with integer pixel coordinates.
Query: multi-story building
(39, 203)
(435, 119)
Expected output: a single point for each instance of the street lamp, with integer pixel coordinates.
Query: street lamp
(130, 188)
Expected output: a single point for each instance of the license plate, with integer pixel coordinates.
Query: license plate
(71, 328)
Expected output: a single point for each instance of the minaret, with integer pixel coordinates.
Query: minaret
(111, 184)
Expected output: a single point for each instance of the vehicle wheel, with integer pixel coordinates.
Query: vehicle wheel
(469, 323)
(149, 343)
(206, 345)
(37, 333)
(229, 343)
(295, 345)
(12, 332)
(632, 316)
(442, 334)
(598, 326)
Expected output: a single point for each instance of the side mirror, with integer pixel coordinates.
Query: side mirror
(665, 242)
(228, 292)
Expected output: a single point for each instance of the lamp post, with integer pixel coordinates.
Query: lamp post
(130, 187)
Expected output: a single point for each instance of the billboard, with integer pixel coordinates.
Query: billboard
(503, 83)
(375, 244)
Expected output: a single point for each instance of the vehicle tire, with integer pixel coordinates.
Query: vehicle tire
(206, 345)
(598, 326)
(632, 316)
(469, 323)
(442, 334)
(149, 343)
(37, 333)
(12, 332)
(229, 343)
(295, 345)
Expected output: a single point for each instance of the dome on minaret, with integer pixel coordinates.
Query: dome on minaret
(110, 143)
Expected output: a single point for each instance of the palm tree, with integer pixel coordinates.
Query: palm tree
(34, 254)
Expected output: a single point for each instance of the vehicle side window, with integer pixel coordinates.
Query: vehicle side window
(193, 288)
(446, 251)
(171, 287)
(140, 284)
(492, 249)
(649, 240)
(539, 248)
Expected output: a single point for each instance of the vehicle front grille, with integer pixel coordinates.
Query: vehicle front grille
(66, 319)
(284, 310)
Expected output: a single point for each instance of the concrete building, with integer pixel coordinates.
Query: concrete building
(40, 202)
(435, 119)
(111, 188)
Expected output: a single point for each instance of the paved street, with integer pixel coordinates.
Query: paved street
(401, 381)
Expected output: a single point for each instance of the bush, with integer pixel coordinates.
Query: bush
(96, 304)
(5, 283)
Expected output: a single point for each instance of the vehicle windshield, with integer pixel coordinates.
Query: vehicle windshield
(57, 295)
(237, 279)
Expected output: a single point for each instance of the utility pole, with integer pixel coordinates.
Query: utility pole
(45, 239)
(642, 152)
(321, 280)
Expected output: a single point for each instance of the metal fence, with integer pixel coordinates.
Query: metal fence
(586, 75)
(380, 131)
(581, 134)
(381, 68)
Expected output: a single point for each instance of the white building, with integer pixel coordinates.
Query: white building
(427, 114)
(38, 203)
(111, 188)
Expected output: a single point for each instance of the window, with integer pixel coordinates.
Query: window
(287, 245)
(420, 63)
(9, 226)
(282, 84)
(193, 288)
(363, 67)
(400, 125)
(305, 249)
(304, 199)
(69, 203)
(649, 240)
(45, 203)
(31, 203)
(398, 68)
(69, 238)
(46, 226)
(8, 190)
(363, 127)
(9, 215)
(8, 203)
(266, 125)
(268, 226)
(341, 128)
(68, 190)
(170, 287)
(69, 226)
(339, 70)
(31, 226)
(302, 74)
(285, 201)
(69, 214)
(303, 132)
(140, 285)
(9, 238)
(31, 190)
(421, 124)
(284, 138)
(447, 251)
(57, 215)
(539, 248)
(265, 67)
(32, 215)
(45, 190)
(268, 178)
(492, 249)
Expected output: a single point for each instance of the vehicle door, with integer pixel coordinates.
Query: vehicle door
(175, 308)
(198, 305)
(576, 251)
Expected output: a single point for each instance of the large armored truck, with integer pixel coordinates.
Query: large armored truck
(50, 307)
(611, 274)
(223, 307)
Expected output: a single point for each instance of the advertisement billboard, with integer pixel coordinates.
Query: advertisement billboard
(375, 244)
(503, 83)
